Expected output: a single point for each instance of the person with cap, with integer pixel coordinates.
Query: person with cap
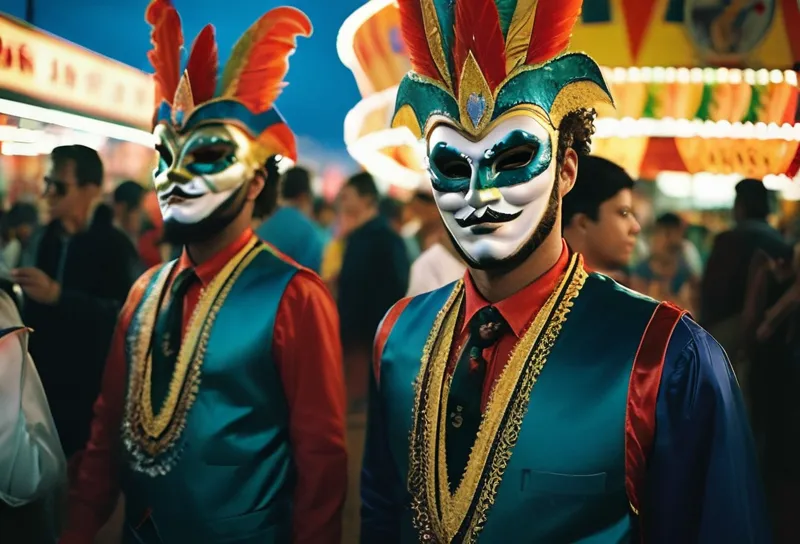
(533, 400)
(218, 419)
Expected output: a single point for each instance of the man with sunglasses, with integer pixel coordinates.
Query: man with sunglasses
(75, 274)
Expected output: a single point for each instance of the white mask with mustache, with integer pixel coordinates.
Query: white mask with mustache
(493, 193)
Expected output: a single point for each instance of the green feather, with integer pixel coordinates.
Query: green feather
(446, 13)
(505, 9)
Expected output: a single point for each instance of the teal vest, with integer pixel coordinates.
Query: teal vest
(565, 481)
(234, 479)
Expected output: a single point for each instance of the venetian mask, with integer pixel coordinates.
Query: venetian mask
(215, 136)
(200, 171)
(488, 90)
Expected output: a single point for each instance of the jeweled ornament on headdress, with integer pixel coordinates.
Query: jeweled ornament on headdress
(474, 61)
(192, 96)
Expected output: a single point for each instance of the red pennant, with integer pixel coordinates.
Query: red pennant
(638, 14)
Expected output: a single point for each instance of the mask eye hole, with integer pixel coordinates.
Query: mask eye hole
(210, 159)
(210, 153)
(454, 168)
(517, 157)
(164, 158)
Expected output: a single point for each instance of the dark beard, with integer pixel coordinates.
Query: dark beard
(181, 234)
(543, 230)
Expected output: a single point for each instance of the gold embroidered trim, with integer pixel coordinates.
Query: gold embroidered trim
(440, 515)
(148, 435)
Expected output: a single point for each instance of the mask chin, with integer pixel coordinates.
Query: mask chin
(180, 234)
(543, 230)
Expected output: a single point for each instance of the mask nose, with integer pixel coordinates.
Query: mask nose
(178, 176)
(478, 198)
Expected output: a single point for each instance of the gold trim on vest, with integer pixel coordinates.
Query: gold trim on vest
(439, 515)
(152, 438)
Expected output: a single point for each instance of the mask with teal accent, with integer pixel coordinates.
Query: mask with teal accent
(214, 134)
(489, 88)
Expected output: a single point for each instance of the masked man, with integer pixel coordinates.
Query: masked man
(219, 420)
(532, 401)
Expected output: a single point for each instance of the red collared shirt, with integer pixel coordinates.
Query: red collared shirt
(313, 383)
(518, 310)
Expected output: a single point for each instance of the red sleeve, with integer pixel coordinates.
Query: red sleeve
(308, 353)
(384, 329)
(93, 493)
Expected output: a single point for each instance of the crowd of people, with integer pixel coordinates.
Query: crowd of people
(508, 355)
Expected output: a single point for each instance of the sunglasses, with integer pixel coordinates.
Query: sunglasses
(60, 188)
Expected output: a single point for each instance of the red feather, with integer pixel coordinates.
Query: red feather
(416, 42)
(167, 39)
(552, 29)
(260, 80)
(478, 30)
(202, 66)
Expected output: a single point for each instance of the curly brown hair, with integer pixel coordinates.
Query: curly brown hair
(575, 131)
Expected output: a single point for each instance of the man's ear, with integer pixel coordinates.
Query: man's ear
(568, 172)
(256, 186)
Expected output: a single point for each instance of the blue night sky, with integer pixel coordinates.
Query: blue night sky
(321, 89)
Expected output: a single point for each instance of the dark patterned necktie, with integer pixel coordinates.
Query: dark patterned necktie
(464, 401)
(167, 337)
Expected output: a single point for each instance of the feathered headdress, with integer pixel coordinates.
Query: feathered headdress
(250, 83)
(473, 60)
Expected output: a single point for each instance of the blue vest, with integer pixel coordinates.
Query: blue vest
(565, 480)
(234, 480)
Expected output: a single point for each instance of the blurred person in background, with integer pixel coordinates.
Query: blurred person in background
(439, 263)
(33, 470)
(290, 227)
(75, 275)
(392, 210)
(325, 216)
(374, 275)
(770, 331)
(664, 275)
(128, 197)
(21, 222)
(426, 226)
(597, 217)
(724, 284)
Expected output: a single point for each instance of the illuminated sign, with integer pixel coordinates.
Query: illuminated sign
(62, 75)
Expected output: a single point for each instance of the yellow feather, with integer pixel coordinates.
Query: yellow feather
(434, 35)
(518, 37)
(238, 59)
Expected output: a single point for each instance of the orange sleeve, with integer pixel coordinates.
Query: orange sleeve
(93, 493)
(307, 351)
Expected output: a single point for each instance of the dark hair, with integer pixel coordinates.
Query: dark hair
(575, 131)
(391, 209)
(364, 185)
(130, 194)
(88, 166)
(267, 199)
(598, 180)
(752, 198)
(296, 182)
(320, 205)
(669, 220)
(22, 213)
